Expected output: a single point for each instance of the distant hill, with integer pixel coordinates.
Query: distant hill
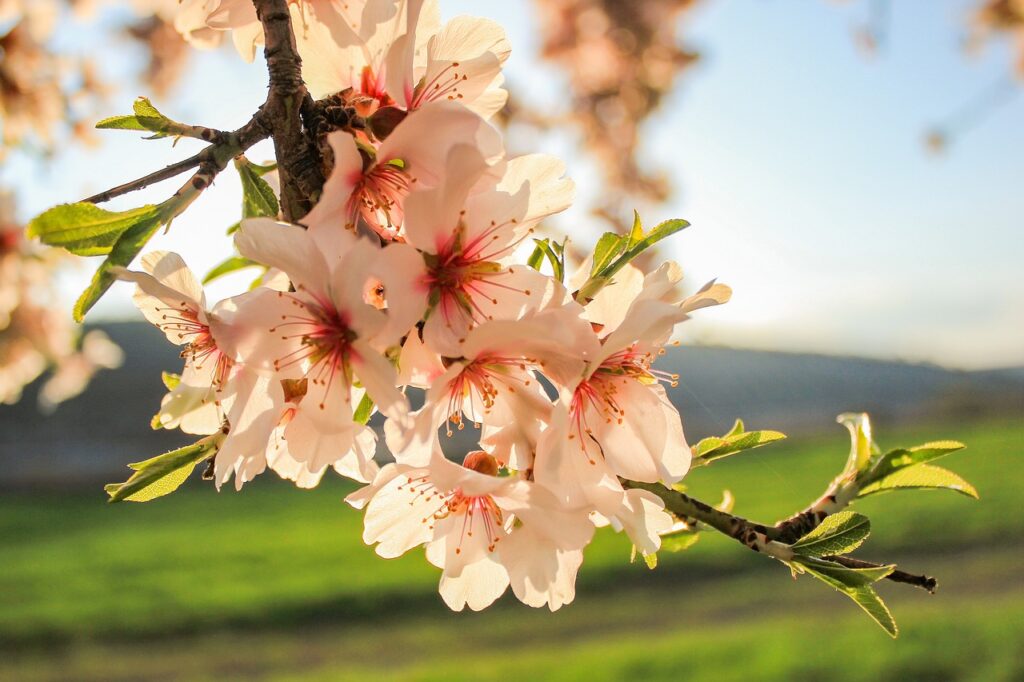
(91, 438)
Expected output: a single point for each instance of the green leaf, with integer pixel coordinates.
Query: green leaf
(899, 459)
(842, 577)
(125, 249)
(608, 247)
(164, 473)
(536, 259)
(920, 476)
(866, 598)
(713, 448)
(737, 428)
(657, 233)
(615, 256)
(855, 583)
(258, 198)
(363, 410)
(679, 541)
(146, 117)
(121, 123)
(229, 265)
(557, 262)
(840, 533)
(85, 229)
(636, 233)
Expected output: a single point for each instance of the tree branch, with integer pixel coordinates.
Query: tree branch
(923, 581)
(840, 493)
(215, 156)
(756, 536)
(298, 159)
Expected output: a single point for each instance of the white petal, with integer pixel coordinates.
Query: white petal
(477, 586)
(400, 515)
(329, 211)
(286, 247)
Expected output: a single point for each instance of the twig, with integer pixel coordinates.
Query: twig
(145, 181)
(756, 536)
(228, 146)
(840, 493)
(922, 581)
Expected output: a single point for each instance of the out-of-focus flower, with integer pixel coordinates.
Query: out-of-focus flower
(1003, 18)
(36, 333)
(621, 59)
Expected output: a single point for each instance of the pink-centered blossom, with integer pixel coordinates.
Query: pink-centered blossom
(368, 186)
(467, 234)
(485, 531)
(397, 54)
(324, 332)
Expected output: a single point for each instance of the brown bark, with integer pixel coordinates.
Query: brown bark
(298, 159)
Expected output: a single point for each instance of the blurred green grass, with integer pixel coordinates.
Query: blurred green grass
(276, 583)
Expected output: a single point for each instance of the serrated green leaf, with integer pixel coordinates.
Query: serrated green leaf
(636, 232)
(866, 598)
(164, 473)
(854, 583)
(842, 577)
(363, 410)
(146, 117)
(920, 476)
(258, 198)
(85, 229)
(608, 247)
(840, 533)
(632, 246)
(737, 428)
(656, 234)
(901, 458)
(124, 250)
(229, 265)
(121, 123)
(714, 448)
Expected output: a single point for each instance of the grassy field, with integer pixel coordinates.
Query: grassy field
(275, 583)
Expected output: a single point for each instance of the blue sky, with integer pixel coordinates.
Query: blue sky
(798, 160)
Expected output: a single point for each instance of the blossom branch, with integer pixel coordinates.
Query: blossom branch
(840, 493)
(755, 536)
(297, 158)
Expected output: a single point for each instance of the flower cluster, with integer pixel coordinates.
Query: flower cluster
(405, 279)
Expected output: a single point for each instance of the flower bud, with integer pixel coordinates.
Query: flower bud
(481, 462)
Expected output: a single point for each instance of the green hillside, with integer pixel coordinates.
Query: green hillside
(275, 583)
